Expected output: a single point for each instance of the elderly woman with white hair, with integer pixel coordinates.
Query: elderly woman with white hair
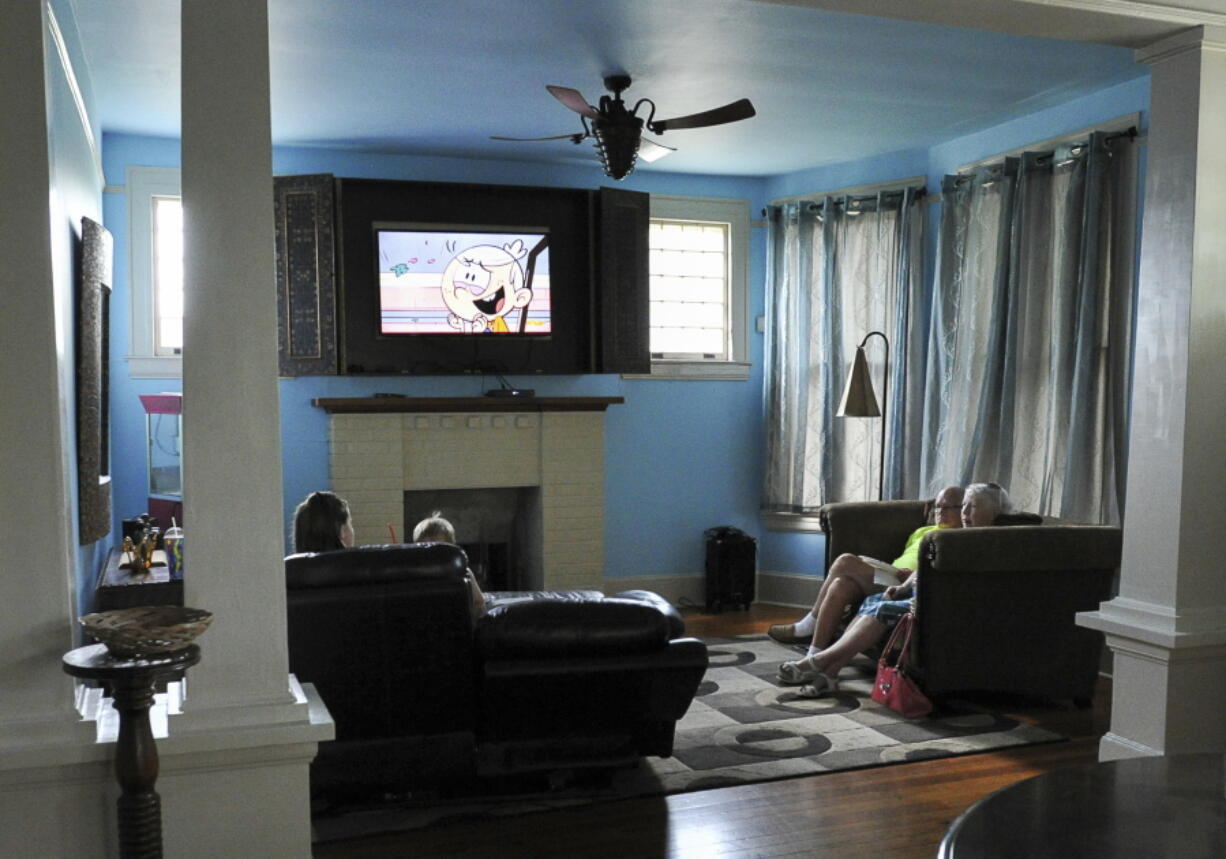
(817, 674)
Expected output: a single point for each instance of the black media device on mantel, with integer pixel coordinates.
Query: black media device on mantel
(732, 560)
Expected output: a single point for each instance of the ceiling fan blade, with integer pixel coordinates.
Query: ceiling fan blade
(649, 150)
(573, 99)
(742, 109)
(573, 137)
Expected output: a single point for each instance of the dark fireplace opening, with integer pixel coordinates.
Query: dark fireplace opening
(499, 529)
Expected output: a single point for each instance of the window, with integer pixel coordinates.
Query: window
(689, 289)
(698, 248)
(168, 275)
(155, 230)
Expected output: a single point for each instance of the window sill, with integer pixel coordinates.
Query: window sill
(726, 371)
(802, 523)
(155, 366)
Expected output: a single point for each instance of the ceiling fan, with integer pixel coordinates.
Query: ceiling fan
(619, 132)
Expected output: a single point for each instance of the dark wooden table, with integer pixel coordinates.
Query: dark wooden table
(131, 683)
(1146, 808)
(120, 588)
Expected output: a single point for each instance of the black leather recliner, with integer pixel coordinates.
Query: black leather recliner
(995, 606)
(425, 695)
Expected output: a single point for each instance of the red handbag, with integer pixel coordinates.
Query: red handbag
(893, 687)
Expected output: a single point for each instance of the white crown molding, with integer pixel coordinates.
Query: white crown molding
(1211, 39)
(1108, 22)
(70, 76)
(1210, 12)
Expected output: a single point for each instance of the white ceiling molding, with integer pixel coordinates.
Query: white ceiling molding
(1191, 14)
(74, 86)
(1194, 38)
(1106, 22)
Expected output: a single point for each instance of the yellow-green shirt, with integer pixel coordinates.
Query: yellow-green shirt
(909, 559)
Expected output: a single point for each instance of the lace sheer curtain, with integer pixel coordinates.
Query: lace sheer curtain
(1030, 337)
(839, 268)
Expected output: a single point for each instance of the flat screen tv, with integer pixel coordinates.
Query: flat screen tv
(442, 278)
(463, 281)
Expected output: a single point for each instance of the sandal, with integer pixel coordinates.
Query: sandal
(823, 684)
(798, 672)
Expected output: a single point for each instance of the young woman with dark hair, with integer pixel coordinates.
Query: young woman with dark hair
(322, 523)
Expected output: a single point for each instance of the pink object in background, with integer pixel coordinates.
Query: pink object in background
(162, 404)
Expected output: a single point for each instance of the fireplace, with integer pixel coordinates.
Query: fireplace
(547, 453)
(499, 528)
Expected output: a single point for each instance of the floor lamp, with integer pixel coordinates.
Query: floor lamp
(860, 401)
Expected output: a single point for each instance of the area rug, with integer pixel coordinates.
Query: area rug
(742, 727)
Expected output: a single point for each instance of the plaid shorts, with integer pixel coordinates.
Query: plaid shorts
(888, 612)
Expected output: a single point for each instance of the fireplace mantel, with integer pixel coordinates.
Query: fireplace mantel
(378, 405)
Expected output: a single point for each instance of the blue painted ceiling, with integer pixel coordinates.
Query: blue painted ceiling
(439, 77)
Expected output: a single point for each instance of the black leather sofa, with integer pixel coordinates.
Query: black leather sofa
(424, 695)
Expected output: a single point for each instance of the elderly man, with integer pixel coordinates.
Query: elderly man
(879, 613)
(851, 578)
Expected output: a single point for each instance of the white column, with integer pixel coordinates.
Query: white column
(231, 415)
(1167, 627)
(38, 530)
(52, 775)
(247, 735)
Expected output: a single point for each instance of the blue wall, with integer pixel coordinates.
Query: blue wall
(681, 455)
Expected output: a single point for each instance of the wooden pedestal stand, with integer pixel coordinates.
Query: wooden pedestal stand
(131, 683)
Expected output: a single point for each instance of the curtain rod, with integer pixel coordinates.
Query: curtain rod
(1130, 133)
(1042, 157)
(1120, 123)
(856, 199)
(855, 190)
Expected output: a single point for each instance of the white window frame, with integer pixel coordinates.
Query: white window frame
(734, 213)
(143, 185)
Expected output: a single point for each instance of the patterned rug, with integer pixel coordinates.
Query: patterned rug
(742, 727)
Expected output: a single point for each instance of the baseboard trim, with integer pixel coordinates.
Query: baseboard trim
(789, 589)
(1113, 747)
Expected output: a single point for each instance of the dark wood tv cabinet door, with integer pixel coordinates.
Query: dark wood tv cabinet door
(306, 274)
(624, 330)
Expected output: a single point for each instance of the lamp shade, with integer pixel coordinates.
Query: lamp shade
(859, 399)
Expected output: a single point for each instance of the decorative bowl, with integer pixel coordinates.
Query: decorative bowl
(146, 630)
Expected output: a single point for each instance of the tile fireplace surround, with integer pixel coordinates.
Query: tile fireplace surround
(381, 447)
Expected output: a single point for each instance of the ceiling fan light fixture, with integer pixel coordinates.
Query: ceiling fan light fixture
(619, 132)
(618, 146)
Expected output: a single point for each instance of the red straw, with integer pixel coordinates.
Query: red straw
(392, 531)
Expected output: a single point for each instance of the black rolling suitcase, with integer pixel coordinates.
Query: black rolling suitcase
(731, 566)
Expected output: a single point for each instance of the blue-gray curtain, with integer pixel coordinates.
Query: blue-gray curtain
(1030, 338)
(838, 268)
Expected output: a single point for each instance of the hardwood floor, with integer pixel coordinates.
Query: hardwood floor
(897, 811)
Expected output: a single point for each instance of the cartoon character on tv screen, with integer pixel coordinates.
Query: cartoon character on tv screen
(482, 284)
